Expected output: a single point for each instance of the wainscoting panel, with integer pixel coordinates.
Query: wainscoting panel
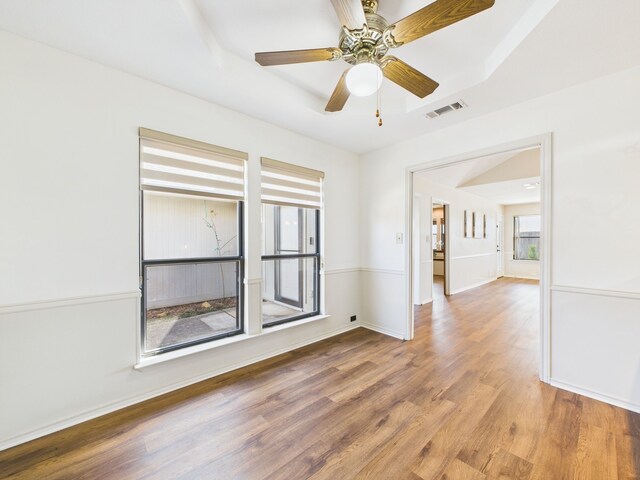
(595, 344)
(65, 362)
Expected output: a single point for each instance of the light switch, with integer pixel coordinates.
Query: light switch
(399, 238)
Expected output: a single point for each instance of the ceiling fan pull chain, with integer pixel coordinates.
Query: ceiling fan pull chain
(379, 104)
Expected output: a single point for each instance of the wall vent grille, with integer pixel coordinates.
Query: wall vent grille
(438, 112)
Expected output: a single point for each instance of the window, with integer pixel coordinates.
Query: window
(191, 242)
(291, 203)
(526, 237)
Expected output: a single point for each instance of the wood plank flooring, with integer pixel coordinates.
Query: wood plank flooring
(460, 402)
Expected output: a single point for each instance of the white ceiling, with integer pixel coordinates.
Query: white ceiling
(460, 173)
(517, 50)
(509, 191)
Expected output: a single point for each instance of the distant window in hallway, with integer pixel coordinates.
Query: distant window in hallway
(526, 237)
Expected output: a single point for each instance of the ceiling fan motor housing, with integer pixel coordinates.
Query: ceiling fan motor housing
(365, 44)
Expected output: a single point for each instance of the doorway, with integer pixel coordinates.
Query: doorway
(479, 226)
(439, 235)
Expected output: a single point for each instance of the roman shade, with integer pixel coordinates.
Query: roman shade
(179, 165)
(292, 185)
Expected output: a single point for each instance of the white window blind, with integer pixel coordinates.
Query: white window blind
(286, 184)
(179, 165)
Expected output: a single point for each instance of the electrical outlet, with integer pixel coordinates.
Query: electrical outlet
(353, 318)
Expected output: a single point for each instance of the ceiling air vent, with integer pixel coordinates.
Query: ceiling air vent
(438, 112)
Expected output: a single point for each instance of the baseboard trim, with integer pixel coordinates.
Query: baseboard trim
(524, 277)
(633, 407)
(112, 407)
(424, 302)
(384, 331)
(475, 285)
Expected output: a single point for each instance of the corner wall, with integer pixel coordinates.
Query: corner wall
(595, 300)
(69, 298)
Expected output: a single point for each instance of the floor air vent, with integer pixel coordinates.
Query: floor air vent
(438, 112)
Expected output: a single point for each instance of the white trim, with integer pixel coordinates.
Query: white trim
(425, 301)
(447, 249)
(523, 277)
(634, 407)
(475, 285)
(546, 184)
(253, 281)
(150, 361)
(409, 249)
(203, 347)
(595, 291)
(337, 271)
(545, 143)
(112, 407)
(295, 323)
(382, 330)
(383, 271)
(474, 256)
(66, 302)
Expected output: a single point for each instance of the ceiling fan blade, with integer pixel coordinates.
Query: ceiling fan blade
(408, 77)
(339, 96)
(350, 13)
(298, 56)
(435, 16)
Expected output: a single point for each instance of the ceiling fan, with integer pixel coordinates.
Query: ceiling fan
(365, 39)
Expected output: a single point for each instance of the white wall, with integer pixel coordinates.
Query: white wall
(69, 247)
(518, 268)
(69, 298)
(473, 261)
(596, 166)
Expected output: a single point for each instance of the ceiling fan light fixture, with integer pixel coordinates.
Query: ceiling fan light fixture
(364, 79)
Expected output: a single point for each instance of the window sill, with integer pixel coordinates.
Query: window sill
(284, 326)
(184, 352)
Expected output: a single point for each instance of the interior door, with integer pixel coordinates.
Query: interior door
(500, 245)
(289, 240)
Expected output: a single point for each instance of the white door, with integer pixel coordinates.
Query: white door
(499, 245)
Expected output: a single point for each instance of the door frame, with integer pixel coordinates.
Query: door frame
(545, 143)
(500, 244)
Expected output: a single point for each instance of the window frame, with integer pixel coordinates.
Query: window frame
(238, 259)
(301, 256)
(516, 237)
(234, 157)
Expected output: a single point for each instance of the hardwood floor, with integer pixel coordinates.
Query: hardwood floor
(461, 401)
